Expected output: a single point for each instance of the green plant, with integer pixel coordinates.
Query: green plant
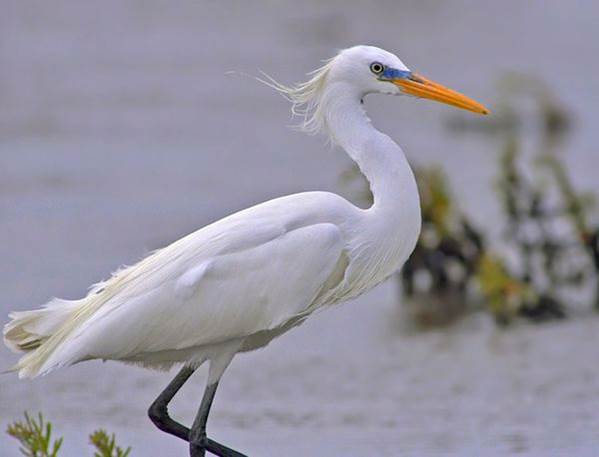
(505, 295)
(539, 201)
(35, 436)
(106, 445)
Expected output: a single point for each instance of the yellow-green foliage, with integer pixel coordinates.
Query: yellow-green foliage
(106, 445)
(435, 198)
(35, 437)
(504, 293)
(576, 204)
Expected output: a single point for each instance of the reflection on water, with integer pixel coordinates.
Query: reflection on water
(119, 132)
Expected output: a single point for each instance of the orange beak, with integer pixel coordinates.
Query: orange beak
(419, 86)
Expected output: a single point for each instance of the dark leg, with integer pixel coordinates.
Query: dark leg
(158, 411)
(199, 443)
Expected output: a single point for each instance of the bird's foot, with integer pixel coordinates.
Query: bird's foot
(199, 446)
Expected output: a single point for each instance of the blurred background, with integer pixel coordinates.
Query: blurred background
(122, 130)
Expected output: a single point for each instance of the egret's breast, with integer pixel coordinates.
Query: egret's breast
(380, 250)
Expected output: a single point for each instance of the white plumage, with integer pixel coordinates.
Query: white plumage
(236, 284)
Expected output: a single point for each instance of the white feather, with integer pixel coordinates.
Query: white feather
(238, 283)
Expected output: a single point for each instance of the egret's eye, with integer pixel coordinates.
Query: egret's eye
(377, 68)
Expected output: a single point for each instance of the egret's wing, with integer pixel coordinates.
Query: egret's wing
(230, 295)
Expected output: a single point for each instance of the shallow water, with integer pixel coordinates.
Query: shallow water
(120, 132)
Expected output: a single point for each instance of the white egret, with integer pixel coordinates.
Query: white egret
(240, 282)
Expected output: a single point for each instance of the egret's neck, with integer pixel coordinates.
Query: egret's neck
(380, 159)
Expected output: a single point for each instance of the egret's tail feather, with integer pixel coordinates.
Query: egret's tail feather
(27, 331)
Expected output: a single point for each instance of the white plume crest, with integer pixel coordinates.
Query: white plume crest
(305, 98)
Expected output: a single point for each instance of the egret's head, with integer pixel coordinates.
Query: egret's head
(366, 70)
(362, 70)
(371, 69)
